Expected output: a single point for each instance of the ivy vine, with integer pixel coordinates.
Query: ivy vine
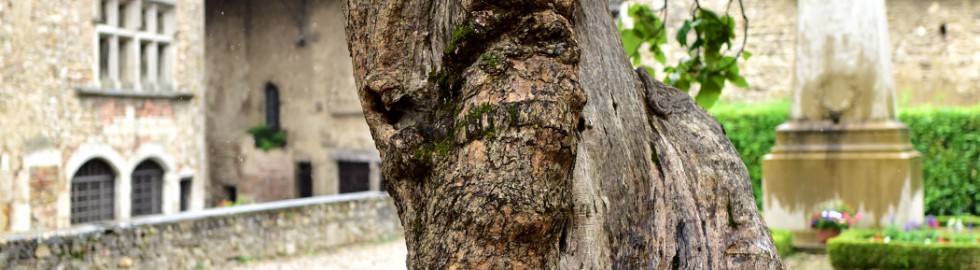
(711, 60)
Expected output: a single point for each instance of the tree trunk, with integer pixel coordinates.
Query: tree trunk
(515, 135)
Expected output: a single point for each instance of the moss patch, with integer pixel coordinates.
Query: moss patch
(460, 33)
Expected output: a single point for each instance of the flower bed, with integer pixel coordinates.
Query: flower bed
(896, 249)
(833, 217)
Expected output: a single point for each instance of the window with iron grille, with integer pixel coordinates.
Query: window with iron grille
(147, 191)
(135, 40)
(92, 193)
(354, 176)
(272, 107)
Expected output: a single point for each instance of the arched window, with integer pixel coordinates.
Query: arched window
(92, 193)
(147, 191)
(272, 106)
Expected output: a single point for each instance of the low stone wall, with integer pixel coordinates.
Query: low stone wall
(212, 238)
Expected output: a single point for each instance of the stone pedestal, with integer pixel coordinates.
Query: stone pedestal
(843, 140)
(870, 166)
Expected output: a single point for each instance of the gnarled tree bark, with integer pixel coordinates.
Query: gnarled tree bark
(515, 135)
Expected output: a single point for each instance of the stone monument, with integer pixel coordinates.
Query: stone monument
(843, 140)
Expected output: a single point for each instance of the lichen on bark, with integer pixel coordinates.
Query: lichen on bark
(480, 150)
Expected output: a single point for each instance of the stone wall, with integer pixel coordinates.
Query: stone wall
(210, 239)
(258, 42)
(930, 66)
(56, 114)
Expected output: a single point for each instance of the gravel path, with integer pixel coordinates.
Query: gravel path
(387, 255)
(391, 255)
(807, 261)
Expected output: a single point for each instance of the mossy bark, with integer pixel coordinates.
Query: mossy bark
(496, 160)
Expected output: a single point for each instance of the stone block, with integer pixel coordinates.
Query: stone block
(871, 167)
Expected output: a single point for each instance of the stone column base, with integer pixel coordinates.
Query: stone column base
(870, 166)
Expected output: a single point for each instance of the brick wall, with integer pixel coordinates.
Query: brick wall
(210, 239)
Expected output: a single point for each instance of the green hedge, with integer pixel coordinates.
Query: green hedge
(752, 130)
(972, 221)
(783, 240)
(949, 140)
(853, 250)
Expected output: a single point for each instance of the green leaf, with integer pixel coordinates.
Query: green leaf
(631, 42)
(704, 13)
(711, 57)
(660, 56)
(738, 80)
(683, 82)
(650, 70)
(732, 74)
(710, 92)
(682, 33)
(697, 43)
(746, 55)
(728, 22)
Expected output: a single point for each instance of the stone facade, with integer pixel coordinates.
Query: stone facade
(935, 48)
(60, 109)
(210, 239)
(302, 51)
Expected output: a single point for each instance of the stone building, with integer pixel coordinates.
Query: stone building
(935, 48)
(101, 111)
(283, 65)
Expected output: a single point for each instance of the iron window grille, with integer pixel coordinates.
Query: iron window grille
(147, 193)
(92, 193)
(272, 105)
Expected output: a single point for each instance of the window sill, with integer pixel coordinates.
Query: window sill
(122, 93)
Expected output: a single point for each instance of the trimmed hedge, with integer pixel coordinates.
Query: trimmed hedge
(752, 130)
(971, 221)
(948, 138)
(852, 250)
(783, 240)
